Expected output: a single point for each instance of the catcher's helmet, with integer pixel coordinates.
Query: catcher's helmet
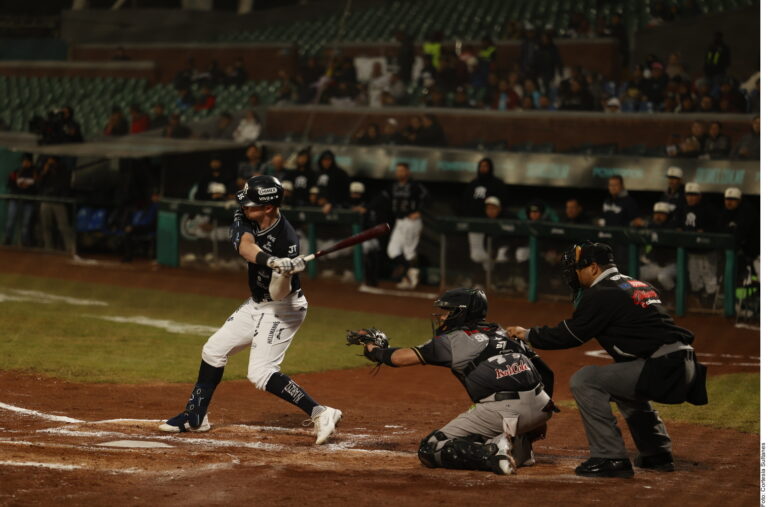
(260, 191)
(580, 256)
(466, 307)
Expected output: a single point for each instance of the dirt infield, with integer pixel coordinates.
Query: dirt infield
(258, 452)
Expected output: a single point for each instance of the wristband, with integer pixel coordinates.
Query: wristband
(262, 258)
(380, 355)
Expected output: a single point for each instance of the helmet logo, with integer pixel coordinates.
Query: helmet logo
(267, 191)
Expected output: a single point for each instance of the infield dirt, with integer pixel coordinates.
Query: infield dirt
(258, 452)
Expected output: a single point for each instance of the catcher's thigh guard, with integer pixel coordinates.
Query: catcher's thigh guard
(464, 454)
(428, 449)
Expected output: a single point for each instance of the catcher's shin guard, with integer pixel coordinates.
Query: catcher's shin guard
(464, 454)
(428, 453)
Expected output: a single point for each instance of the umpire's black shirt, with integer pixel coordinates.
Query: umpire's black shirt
(624, 314)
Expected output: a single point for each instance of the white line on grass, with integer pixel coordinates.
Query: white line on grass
(170, 326)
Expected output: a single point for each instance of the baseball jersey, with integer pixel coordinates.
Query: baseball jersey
(485, 360)
(278, 240)
(407, 198)
(624, 314)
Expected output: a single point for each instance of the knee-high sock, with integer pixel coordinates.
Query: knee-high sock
(283, 386)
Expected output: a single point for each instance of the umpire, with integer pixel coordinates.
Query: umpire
(654, 360)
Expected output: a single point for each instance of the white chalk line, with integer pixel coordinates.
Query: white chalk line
(170, 326)
(602, 354)
(55, 466)
(41, 415)
(44, 297)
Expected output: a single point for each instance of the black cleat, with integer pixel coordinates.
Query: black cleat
(661, 462)
(605, 467)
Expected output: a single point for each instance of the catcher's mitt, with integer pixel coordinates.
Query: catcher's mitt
(370, 335)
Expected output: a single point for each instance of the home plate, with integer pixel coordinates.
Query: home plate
(134, 444)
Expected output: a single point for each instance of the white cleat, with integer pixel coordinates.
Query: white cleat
(325, 424)
(502, 463)
(175, 424)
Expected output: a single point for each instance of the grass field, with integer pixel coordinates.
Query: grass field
(72, 341)
(68, 338)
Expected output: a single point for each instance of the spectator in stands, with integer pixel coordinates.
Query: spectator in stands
(120, 55)
(175, 129)
(332, 180)
(302, 176)
(461, 99)
(139, 119)
(368, 136)
(574, 213)
(276, 166)
(411, 132)
(405, 55)
(408, 199)
(674, 196)
(431, 133)
(505, 98)
(70, 128)
(206, 101)
(658, 263)
(528, 48)
(576, 97)
(21, 182)
(54, 182)
(159, 118)
(631, 92)
(706, 105)
(377, 83)
(739, 219)
(224, 128)
(546, 62)
(748, 147)
(288, 91)
(692, 145)
(716, 145)
(433, 48)
(717, 60)
(116, 125)
(215, 185)
(531, 89)
(485, 185)
(314, 193)
(253, 165)
(735, 100)
(236, 74)
(697, 216)
(394, 93)
(545, 104)
(390, 133)
(655, 86)
(612, 105)
(675, 68)
(183, 78)
(619, 208)
(249, 128)
(185, 99)
(616, 30)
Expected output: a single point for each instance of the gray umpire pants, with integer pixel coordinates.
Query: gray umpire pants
(491, 419)
(594, 388)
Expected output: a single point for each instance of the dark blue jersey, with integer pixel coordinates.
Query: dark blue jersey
(278, 240)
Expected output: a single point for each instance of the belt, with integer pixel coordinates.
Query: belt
(266, 299)
(511, 395)
(669, 348)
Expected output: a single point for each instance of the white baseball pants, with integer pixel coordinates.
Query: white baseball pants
(268, 328)
(405, 238)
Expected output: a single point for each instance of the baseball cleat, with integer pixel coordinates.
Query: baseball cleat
(605, 467)
(502, 463)
(661, 462)
(180, 424)
(325, 424)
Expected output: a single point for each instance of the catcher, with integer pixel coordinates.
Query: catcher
(509, 384)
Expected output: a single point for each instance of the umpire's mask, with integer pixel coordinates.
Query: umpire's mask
(580, 256)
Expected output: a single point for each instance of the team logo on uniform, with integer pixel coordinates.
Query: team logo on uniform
(512, 369)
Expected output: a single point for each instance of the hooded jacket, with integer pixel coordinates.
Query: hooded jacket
(482, 187)
(334, 182)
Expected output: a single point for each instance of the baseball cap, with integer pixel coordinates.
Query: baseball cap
(692, 188)
(356, 187)
(314, 190)
(674, 172)
(613, 101)
(661, 207)
(287, 185)
(732, 193)
(493, 200)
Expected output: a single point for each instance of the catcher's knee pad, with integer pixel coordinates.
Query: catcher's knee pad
(464, 454)
(428, 449)
(197, 406)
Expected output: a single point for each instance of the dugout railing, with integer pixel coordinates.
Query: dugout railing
(628, 241)
(179, 220)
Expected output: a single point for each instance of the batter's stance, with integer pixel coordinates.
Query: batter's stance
(267, 321)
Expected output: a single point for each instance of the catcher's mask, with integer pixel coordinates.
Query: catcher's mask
(458, 308)
(579, 257)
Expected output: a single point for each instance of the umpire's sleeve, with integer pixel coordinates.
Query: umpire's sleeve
(594, 312)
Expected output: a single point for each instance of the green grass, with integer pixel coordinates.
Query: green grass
(734, 403)
(65, 341)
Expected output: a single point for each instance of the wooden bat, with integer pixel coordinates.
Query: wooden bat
(360, 237)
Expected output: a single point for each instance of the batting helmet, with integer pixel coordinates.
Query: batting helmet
(260, 191)
(579, 257)
(465, 306)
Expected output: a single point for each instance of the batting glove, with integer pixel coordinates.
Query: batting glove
(298, 265)
(280, 264)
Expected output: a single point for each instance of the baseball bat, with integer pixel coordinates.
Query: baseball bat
(360, 237)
